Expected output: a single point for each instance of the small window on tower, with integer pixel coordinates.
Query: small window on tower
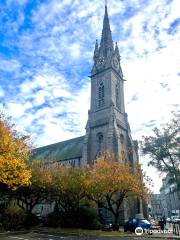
(101, 95)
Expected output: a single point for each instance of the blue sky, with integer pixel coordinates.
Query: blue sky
(46, 52)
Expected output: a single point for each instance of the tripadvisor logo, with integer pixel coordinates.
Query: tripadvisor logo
(139, 231)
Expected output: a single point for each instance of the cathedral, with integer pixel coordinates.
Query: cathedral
(107, 127)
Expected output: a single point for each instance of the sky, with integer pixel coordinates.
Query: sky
(46, 50)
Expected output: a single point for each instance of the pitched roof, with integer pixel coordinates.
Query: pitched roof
(65, 150)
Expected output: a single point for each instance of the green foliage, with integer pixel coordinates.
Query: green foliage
(164, 148)
(37, 191)
(68, 188)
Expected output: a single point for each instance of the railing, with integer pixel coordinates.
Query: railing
(176, 228)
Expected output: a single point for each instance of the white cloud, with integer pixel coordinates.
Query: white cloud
(9, 65)
(16, 110)
(59, 92)
(75, 50)
(72, 125)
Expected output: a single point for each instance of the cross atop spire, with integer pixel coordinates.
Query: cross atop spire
(106, 45)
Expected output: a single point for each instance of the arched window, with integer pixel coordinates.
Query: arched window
(122, 138)
(100, 137)
(101, 95)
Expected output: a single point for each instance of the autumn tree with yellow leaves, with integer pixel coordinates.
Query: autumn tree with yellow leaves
(14, 153)
(110, 180)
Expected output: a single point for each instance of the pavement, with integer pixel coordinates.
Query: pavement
(47, 236)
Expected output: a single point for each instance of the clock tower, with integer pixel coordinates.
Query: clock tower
(107, 127)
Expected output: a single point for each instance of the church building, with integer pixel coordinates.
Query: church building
(107, 126)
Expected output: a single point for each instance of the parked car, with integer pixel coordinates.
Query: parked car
(107, 227)
(133, 223)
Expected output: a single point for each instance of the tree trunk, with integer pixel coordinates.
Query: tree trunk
(116, 223)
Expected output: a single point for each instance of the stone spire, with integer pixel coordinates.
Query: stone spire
(106, 45)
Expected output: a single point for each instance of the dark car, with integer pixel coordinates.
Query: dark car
(133, 223)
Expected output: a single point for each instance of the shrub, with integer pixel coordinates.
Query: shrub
(83, 218)
(87, 218)
(13, 218)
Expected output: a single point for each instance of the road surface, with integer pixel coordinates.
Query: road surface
(46, 236)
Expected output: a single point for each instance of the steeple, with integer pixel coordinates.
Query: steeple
(107, 127)
(106, 45)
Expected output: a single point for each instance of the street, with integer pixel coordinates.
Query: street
(46, 236)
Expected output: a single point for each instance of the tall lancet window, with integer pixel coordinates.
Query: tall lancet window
(117, 96)
(101, 95)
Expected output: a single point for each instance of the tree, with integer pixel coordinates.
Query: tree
(68, 192)
(164, 148)
(14, 152)
(39, 188)
(110, 180)
(68, 187)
